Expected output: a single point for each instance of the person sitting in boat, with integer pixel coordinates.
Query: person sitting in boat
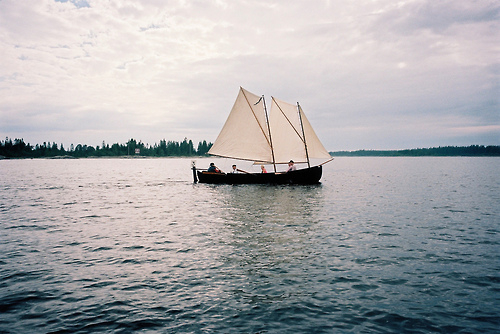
(213, 168)
(263, 169)
(235, 170)
(291, 167)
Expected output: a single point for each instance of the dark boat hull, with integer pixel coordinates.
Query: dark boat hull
(310, 175)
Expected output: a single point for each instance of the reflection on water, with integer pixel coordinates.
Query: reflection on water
(269, 223)
(276, 204)
(269, 234)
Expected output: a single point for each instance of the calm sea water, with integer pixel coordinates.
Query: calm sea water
(383, 245)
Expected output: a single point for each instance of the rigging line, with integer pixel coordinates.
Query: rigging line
(303, 133)
(270, 139)
(288, 120)
(255, 116)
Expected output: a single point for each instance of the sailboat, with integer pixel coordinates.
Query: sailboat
(280, 137)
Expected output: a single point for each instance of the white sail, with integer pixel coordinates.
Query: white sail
(315, 148)
(245, 134)
(286, 133)
(289, 141)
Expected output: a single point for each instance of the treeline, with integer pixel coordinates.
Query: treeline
(446, 151)
(17, 148)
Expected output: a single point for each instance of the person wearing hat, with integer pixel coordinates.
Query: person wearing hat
(213, 168)
(291, 167)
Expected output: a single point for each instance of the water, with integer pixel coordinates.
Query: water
(385, 245)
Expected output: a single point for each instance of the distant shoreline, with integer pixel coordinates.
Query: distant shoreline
(446, 151)
(69, 157)
(17, 149)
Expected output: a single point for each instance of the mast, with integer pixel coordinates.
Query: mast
(269, 129)
(303, 134)
(244, 135)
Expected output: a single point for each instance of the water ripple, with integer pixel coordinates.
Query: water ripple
(382, 245)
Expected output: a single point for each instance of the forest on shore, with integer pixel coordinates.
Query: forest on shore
(446, 151)
(17, 148)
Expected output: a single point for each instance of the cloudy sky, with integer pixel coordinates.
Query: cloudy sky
(370, 74)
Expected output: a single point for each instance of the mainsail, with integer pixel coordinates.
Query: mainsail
(292, 134)
(315, 148)
(287, 135)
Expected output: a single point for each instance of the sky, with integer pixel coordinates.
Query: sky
(369, 74)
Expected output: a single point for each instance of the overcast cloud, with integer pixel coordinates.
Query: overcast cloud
(369, 74)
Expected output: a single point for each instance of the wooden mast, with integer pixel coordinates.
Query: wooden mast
(303, 134)
(269, 129)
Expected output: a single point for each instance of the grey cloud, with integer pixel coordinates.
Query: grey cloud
(438, 15)
(364, 71)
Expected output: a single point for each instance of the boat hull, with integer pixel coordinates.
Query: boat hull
(310, 175)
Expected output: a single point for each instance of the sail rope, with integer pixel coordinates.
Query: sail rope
(288, 120)
(255, 116)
